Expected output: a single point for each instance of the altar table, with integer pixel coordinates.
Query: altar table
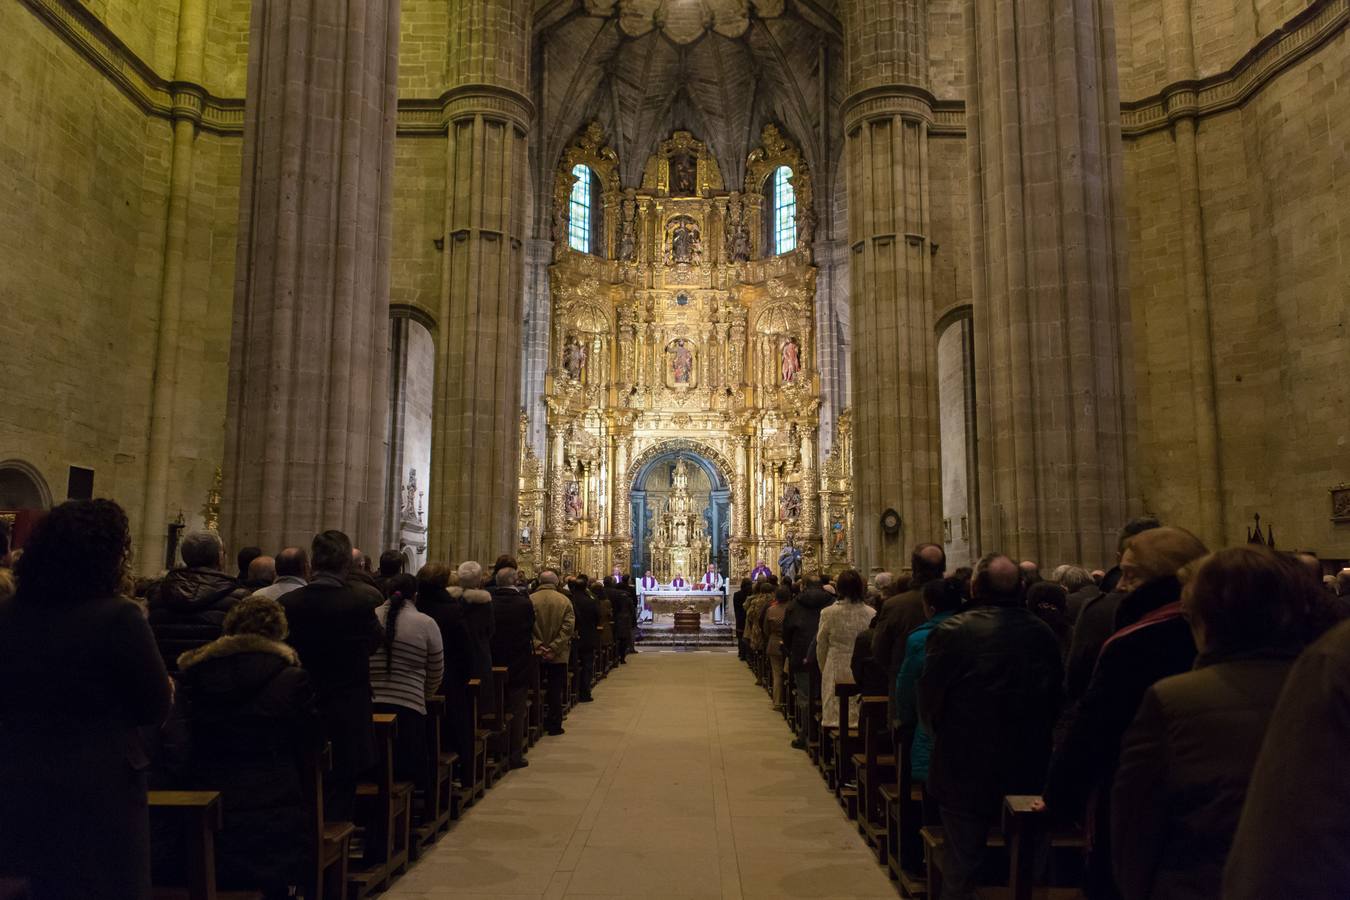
(666, 601)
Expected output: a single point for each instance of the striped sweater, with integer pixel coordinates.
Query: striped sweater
(411, 670)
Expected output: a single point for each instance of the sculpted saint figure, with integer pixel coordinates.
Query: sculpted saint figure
(791, 360)
(682, 365)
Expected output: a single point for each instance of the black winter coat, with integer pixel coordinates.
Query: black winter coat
(587, 610)
(513, 633)
(252, 718)
(334, 630)
(1085, 764)
(76, 682)
(989, 694)
(801, 621)
(461, 653)
(625, 611)
(188, 607)
(1096, 622)
(479, 619)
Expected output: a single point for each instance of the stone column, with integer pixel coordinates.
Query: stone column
(538, 317)
(308, 407)
(887, 113)
(478, 352)
(155, 506)
(1053, 392)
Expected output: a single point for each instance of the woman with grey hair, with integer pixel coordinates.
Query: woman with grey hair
(468, 589)
(1079, 584)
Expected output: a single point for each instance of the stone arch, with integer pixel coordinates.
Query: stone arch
(719, 471)
(22, 486)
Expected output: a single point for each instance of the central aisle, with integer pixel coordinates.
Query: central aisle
(677, 781)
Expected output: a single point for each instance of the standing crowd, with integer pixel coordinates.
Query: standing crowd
(1183, 713)
(205, 679)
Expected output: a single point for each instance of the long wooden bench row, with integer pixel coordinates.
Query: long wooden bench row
(867, 769)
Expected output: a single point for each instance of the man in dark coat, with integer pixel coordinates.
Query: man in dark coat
(360, 579)
(513, 647)
(1293, 839)
(989, 695)
(588, 632)
(434, 599)
(801, 620)
(902, 613)
(188, 606)
(738, 609)
(1156, 645)
(334, 630)
(625, 614)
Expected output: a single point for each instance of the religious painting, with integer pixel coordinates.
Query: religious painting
(1340, 503)
(683, 174)
(685, 242)
(572, 501)
(681, 362)
(790, 507)
(791, 360)
(574, 359)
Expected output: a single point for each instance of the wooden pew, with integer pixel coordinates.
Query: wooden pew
(472, 782)
(534, 707)
(813, 701)
(332, 841)
(903, 801)
(497, 722)
(874, 765)
(384, 813)
(1020, 825)
(1024, 831)
(844, 740)
(196, 816)
(432, 810)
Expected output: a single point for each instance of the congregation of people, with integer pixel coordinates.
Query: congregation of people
(1173, 726)
(210, 680)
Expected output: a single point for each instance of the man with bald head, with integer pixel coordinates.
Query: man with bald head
(902, 613)
(292, 570)
(262, 571)
(989, 694)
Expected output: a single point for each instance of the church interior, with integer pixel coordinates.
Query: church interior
(747, 297)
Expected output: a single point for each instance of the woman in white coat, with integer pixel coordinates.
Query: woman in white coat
(840, 625)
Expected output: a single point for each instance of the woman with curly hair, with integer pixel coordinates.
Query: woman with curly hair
(79, 674)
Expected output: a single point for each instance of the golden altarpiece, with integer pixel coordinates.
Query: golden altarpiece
(682, 344)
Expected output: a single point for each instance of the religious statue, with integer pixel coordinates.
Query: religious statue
(737, 231)
(627, 243)
(790, 560)
(572, 501)
(682, 363)
(791, 505)
(683, 174)
(681, 541)
(792, 361)
(574, 359)
(686, 243)
(525, 538)
(410, 497)
(838, 541)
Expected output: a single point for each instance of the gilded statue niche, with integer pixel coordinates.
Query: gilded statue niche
(678, 339)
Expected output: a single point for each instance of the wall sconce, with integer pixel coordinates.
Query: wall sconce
(439, 242)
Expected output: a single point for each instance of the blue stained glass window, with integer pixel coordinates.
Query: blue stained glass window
(579, 209)
(784, 212)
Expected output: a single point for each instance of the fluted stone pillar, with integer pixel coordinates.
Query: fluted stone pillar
(308, 405)
(1053, 394)
(887, 113)
(478, 352)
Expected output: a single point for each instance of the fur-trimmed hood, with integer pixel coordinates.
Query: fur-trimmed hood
(235, 644)
(469, 595)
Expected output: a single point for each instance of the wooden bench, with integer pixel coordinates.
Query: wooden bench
(903, 802)
(934, 841)
(814, 733)
(472, 782)
(534, 707)
(1024, 831)
(497, 727)
(875, 766)
(196, 816)
(432, 809)
(384, 818)
(332, 841)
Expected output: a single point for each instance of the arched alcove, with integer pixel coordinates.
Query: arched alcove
(22, 487)
(708, 482)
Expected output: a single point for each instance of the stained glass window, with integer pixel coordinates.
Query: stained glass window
(579, 222)
(784, 212)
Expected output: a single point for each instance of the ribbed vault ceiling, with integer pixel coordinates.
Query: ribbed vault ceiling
(718, 68)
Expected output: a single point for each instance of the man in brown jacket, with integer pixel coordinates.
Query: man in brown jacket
(554, 627)
(901, 614)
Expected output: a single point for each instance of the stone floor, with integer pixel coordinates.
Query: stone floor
(678, 782)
